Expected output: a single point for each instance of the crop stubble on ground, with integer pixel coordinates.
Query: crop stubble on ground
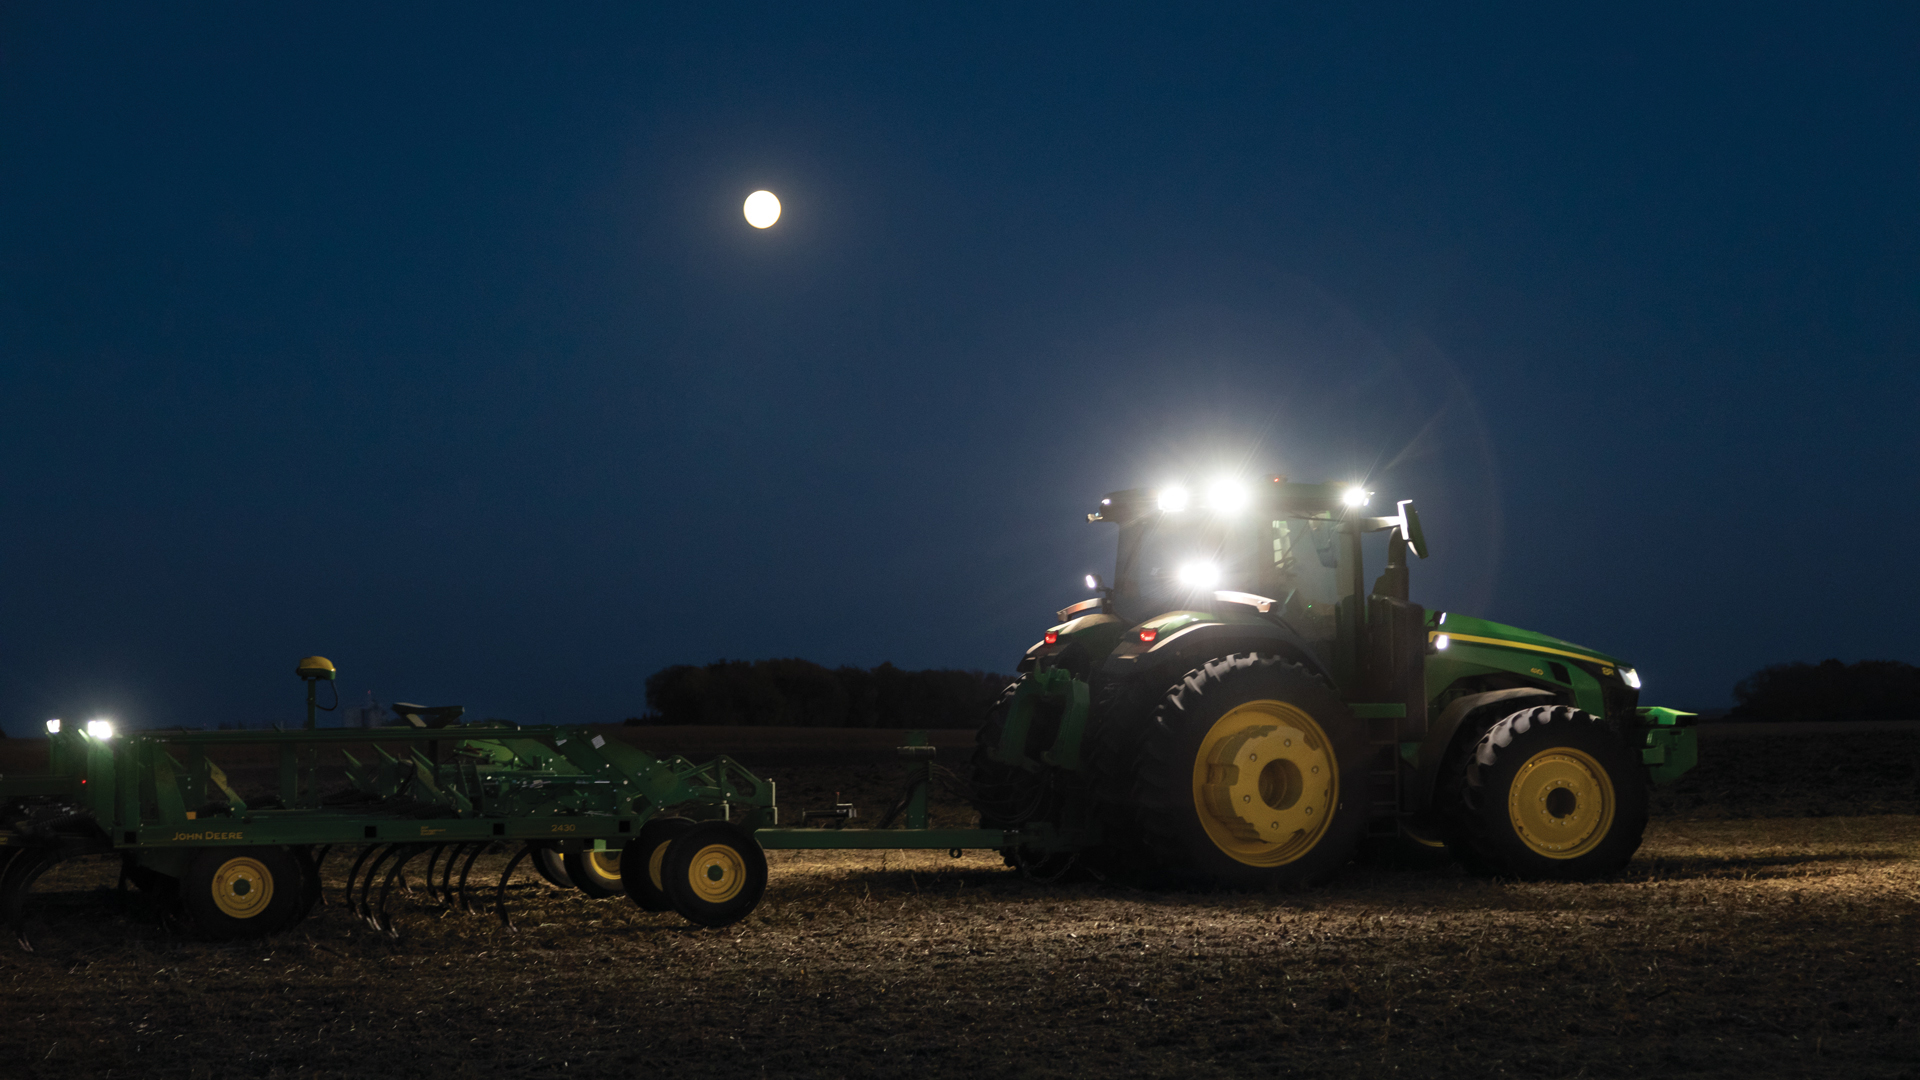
(1734, 945)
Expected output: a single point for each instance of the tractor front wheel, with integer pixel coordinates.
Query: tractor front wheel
(1550, 793)
(1251, 775)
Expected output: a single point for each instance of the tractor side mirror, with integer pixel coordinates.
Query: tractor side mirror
(1410, 528)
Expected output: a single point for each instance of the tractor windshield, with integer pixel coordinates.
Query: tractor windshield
(1173, 561)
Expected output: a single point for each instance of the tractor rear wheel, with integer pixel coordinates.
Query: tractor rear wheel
(1550, 793)
(596, 873)
(243, 892)
(1251, 775)
(641, 859)
(715, 873)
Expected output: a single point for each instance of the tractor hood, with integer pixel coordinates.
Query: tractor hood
(1469, 630)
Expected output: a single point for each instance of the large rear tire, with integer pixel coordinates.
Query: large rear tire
(1251, 775)
(1550, 793)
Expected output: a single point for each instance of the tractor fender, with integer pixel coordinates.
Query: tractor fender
(1433, 749)
(1189, 648)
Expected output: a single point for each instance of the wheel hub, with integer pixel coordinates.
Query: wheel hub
(242, 888)
(1265, 782)
(717, 873)
(1561, 803)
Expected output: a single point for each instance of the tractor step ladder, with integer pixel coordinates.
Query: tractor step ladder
(1383, 777)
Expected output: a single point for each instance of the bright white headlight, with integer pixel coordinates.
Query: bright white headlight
(100, 729)
(1198, 575)
(1630, 677)
(53, 727)
(1441, 642)
(1226, 496)
(1355, 496)
(1173, 499)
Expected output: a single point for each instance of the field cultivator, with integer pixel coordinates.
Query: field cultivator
(406, 806)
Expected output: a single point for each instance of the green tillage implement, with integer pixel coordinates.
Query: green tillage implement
(589, 812)
(565, 797)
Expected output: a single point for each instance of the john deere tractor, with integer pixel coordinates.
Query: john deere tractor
(1240, 707)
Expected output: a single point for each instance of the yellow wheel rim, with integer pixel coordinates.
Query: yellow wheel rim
(604, 865)
(1561, 803)
(242, 888)
(1265, 783)
(654, 862)
(717, 873)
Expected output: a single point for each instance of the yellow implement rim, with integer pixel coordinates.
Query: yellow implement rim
(655, 862)
(242, 888)
(717, 873)
(1531, 803)
(604, 865)
(1265, 783)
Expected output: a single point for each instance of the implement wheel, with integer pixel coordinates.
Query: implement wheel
(553, 867)
(715, 873)
(596, 873)
(1251, 776)
(1551, 794)
(641, 860)
(243, 892)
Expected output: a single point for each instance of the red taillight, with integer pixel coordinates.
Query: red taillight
(1052, 638)
(1147, 635)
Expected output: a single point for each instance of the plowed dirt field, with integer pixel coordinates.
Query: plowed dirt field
(1750, 937)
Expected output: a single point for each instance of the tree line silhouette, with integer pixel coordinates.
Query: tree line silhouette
(1829, 690)
(800, 693)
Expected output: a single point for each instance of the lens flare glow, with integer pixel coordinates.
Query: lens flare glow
(1173, 499)
(1227, 496)
(1198, 575)
(762, 209)
(1355, 496)
(100, 729)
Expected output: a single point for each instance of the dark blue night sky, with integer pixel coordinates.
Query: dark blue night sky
(433, 340)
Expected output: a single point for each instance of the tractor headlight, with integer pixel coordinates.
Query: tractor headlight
(1356, 496)
(1173, 499)
(53, 727)
(100, 729)
(1198, 575)
(1630, 677)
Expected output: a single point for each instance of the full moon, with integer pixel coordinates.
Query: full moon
(762, 209)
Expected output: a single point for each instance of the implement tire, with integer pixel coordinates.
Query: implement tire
(243, 892)
(1549, 793)
(596, 873)
(1252, 775)
(715, 873)
(642, 858)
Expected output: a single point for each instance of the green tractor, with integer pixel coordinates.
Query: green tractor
(1238, 708)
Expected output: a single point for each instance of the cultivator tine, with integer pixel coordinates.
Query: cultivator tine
(379, 918)
(444, 891)
(466, 904)
(500, 894)
(365, 908)
(15, 882)
(432, 858)
(354, 873)
(319, 858)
